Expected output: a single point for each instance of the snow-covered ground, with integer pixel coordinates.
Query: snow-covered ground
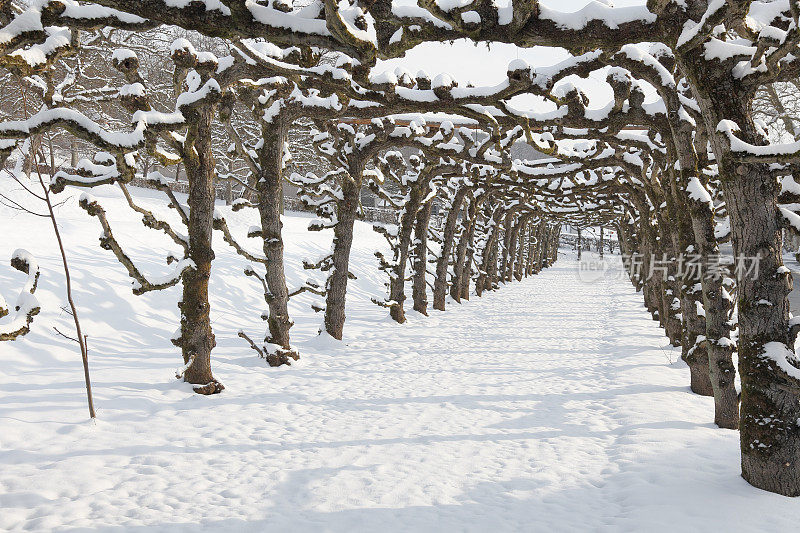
(550, 405)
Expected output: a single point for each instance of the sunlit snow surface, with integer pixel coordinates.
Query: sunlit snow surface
(550, 405)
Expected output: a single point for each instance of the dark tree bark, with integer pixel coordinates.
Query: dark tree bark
(397, 281)
(269, 187)
(523, 235)
(652, 285)
(628, 248)
(509, 225)
(493, 278)
(346, 210)
(488, 272)
(419, 287)
(770, 400)
(466, 271)
(556, 238)
(544, 248)
(462, 259)
(690, 291)
(196, 338)
(448, 238)
(719, 346)
(668, 245)
(541, 246)
(512, 253)
(533, 245)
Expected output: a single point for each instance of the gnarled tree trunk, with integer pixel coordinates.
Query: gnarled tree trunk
(461, 267)
(419, 287)
(346, 210)
(523, 235)
(397, 282)
(269, 188)
(448, 238)
(196, 337)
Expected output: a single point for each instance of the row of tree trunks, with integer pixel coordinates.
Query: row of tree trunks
(717, 349)
(408, 218)
(703, 313)
(448, 239)
(462, 268)
(487, 275)
(528, 247)
(770, 400)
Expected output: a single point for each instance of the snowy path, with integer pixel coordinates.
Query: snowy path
(546, 406)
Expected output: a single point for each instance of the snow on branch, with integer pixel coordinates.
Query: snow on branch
(79, 125)
(27, 305)
(751, 153)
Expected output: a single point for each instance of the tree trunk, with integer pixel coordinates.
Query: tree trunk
(398, 273)
(466, 273)
(523, 235)
(269, 188)
(419, 287)
(507, 273)
(342, 243)
(448, 237)
(770, 409)
(540, 247)
(489, 255)
(692, 322)
(556, 238)
(718, 329)
(544, 249)
(508, 243)
(669, 247)
(494, 261)
(533, 244)
(196, 338)
(652, 287)
(461, 261)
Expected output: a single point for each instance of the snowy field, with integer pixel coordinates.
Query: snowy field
(550, 405)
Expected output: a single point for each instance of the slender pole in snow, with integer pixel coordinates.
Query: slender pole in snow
(81, 339)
